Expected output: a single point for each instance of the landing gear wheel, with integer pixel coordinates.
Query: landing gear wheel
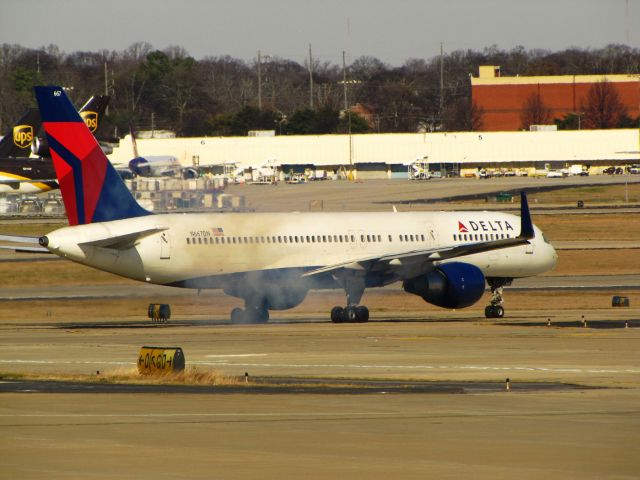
(337, 314)
(237, 316)
(362, 314)
(494, 311)
(250, 315)
(350, 314)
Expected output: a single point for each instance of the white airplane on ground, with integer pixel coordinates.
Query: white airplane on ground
(271, 260)
(157, 165)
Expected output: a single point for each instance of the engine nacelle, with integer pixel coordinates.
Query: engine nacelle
(451, 285)
(40, 147)
(190, 173)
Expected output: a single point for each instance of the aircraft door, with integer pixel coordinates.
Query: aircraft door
(431, 235)
(529, 249)
(165, 245)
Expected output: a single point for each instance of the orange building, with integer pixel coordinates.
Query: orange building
(502, 99)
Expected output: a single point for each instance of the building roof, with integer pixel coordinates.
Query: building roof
(490, 75)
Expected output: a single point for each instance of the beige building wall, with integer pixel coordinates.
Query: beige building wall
(332, 150)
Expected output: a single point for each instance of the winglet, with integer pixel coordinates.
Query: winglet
(526, 225)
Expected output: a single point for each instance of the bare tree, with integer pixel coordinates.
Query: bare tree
(535, 112)
(603, 108)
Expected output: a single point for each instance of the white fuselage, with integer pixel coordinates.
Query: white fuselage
(195, 246)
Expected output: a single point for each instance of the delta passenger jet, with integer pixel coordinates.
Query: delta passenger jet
(271, 260)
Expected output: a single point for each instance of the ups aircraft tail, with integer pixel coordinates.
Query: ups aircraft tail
(93, 111)
(17, 141)
(91, 188)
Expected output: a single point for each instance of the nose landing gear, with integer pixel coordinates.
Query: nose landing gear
(495, 308)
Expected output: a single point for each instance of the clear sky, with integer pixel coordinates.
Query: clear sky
(391, 30)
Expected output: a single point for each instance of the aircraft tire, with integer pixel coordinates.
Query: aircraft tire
(362, 314)
(350, 314)
(237, 316)
(494, 311)
(337, 314)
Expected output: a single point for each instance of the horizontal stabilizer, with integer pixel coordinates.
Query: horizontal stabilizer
(122, 242)
(25, 244)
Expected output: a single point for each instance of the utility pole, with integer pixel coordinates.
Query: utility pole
(310, 79)
(259, 82)
(347, 111)
(344, 80)
(441, 81)
(106, 85)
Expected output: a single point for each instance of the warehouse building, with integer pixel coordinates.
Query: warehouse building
(390, 155)
(503, 99)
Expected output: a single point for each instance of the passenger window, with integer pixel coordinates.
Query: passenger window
(353, 238)
(188, 241)
(379, 238)
(307, 238)
(422, 237)
(390, 238)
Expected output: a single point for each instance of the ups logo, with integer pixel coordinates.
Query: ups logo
(91, 119)
(22, 135)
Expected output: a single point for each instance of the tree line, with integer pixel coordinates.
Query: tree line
(222, 95)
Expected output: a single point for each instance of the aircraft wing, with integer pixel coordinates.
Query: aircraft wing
(17, 181)
(389, 261)
(23, 244)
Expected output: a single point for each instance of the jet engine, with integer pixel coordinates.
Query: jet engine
(40, 147)
(451, 285)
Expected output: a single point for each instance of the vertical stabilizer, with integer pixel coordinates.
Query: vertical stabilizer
(91, 188)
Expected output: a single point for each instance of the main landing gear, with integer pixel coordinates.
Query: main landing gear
(250, 314)
(353, 284)
(350, 314)
(495, 309)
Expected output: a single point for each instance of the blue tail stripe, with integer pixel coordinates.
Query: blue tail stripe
(116, 202)
(76, 165)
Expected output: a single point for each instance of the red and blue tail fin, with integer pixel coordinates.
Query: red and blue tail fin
(92, 190)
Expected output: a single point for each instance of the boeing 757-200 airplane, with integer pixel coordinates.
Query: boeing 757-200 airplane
(271, 260)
